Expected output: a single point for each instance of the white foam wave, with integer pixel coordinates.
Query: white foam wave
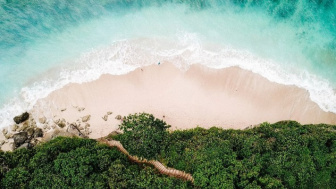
(124, 56)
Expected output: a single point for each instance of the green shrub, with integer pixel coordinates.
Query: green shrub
(144, 135)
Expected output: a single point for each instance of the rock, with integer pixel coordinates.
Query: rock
(62, 123)
(2, 142)
(20, 138)
(114, 133)
(105, 117)
(72, 129)
(87, 125)
(21, 118)
(43, 120)
(25, 145)
(30, 131)
(14, 127)
(56, 121)
(24, 127)
(38, 133)
(81, 109)
(4, 131)
(9, 135)
(62, 110)
(53, 126)
(118, 117)
(86, 118)
(109, 113)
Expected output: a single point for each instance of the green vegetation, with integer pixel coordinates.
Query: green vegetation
(281, 155)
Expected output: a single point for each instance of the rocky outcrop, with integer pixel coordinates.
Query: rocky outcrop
(20, 138)
(118, 117)
(105, 117)
(21, 118)
(43, 120)
(86, 118)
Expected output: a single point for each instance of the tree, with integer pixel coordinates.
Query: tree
(144, 135)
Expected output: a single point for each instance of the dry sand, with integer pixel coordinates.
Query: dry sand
(227, 98)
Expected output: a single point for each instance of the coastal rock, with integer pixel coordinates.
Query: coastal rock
(81, 109)
(43, 120)
(118, 117)
(86, 118)
(14, 127)
(21, 118)
(9, 135)
(30, 131)
(62, 123)
(4, 131)
(38, 133)
(114, 133)
(24, 127)
(105, 117)
(56, 121)
(109, 113)
(25, 145)
(20, 138)
(73, 129)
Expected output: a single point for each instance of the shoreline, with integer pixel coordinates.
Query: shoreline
(199, 96)
(229, 98)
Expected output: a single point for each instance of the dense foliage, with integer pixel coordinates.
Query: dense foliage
(281, 155)
(144, 135)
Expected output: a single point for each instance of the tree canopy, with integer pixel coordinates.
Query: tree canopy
(281, 155)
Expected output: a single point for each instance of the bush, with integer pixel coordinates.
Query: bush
(144, 135)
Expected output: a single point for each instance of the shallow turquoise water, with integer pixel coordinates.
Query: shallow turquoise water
(45, 45)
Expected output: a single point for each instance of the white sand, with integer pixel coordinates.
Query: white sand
(227, 98)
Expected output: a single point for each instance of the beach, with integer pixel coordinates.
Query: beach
(230, 98)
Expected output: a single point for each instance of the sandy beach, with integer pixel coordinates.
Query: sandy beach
(227, 98)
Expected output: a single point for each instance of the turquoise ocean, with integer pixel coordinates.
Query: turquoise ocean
(47, 44)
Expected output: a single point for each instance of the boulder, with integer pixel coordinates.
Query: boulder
(20, 138)
(105, 117)
(14, 127)
(25, 145)
(4, 131)
(114, 133)
(56, 121)
(21, 118)
(24, 127)
(118, 117)
(43, 120)
(86, 118)
(62, 123)
(2, 142)
(73, 129)
(81, 109)
(30, 131)
(109, 113)
(38, 133)
(9, 135)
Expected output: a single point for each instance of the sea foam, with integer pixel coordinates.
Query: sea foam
(287, 44)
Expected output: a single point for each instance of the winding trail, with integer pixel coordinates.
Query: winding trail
(161, 168)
